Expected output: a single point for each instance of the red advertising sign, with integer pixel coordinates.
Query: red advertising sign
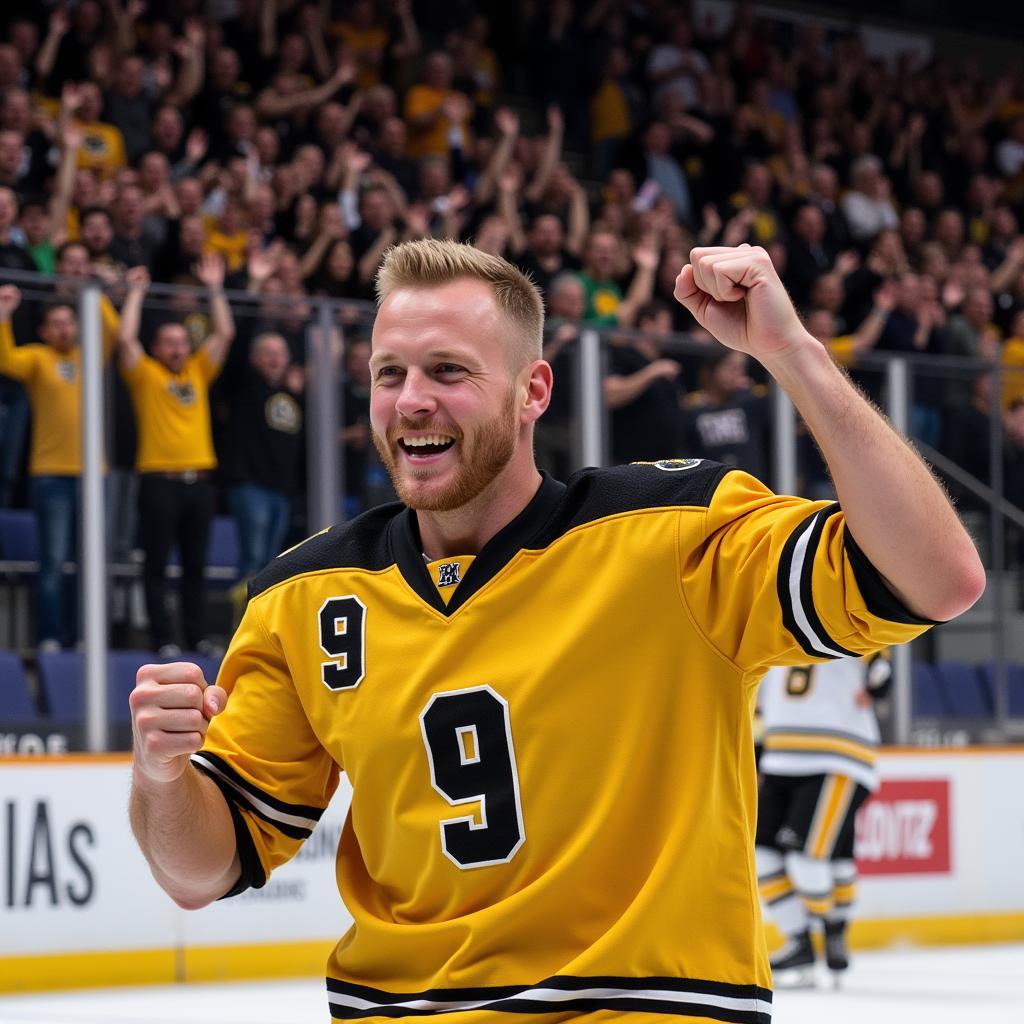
(904, 829)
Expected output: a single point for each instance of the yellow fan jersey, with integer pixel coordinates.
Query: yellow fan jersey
(53, 382)
(553, 777)
(173, 411)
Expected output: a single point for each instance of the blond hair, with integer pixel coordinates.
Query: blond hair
(434, 261)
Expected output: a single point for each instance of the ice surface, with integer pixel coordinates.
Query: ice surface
(947, 985)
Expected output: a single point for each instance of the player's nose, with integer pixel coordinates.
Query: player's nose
(417, 398)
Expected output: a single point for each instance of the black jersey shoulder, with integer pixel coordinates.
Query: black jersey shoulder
(362, 543)
(593, 494)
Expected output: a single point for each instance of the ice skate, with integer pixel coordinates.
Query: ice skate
(793, 965)
(837, 955)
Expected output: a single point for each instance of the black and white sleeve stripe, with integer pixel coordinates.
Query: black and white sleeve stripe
(688, 997)
(878, 598)
(796, 571)
(294, 820)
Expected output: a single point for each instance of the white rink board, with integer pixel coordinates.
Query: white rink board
(72, 879)
(985, 818)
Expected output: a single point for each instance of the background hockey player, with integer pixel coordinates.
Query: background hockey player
(818, 766)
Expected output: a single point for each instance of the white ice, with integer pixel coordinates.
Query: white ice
(974, 985)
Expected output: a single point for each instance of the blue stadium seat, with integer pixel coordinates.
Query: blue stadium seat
(62, 682)
(62, 678)
(210, 666)
(221, 552)
(1015, 686)
(19, 540)
(927, 696)
(1016, 683)
(123, 666)
(965, 690)
(222, 549)
(16, 703)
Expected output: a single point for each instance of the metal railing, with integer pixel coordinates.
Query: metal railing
(326, 328)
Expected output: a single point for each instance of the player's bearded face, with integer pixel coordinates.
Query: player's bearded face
(479, 454)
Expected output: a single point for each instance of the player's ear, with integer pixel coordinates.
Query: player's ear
(538, 381)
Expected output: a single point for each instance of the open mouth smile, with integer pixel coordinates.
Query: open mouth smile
(426, 448)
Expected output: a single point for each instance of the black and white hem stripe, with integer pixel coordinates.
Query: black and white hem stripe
(735, 1004)
(796, 571)
(294, 820)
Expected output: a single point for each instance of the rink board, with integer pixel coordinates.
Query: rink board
(940, 849)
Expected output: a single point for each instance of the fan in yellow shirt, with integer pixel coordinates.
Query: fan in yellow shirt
(102, 148)
(170, 394)
(51, 372)
(435, 112)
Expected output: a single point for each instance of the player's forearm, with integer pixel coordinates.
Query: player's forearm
(895, 509)
(186, 834)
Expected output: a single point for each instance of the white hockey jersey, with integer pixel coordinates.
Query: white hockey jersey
(818, 720)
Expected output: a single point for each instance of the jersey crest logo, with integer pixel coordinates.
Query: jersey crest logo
(448, 574)
(283, 413)
(671, 465)
(182, 391)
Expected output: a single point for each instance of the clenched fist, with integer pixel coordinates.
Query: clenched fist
(736, 294)
(171, 710)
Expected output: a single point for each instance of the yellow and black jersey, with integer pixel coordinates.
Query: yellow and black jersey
(54, 385)
(553, 777)
(173, 412)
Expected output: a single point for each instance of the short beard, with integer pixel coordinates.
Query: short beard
(491, 451)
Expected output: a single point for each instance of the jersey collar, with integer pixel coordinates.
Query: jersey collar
(493, 557)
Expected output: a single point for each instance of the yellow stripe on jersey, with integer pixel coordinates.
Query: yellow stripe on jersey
(773, 889)
(844, 893)
(819, 906)
(834, 802)
(819, 744)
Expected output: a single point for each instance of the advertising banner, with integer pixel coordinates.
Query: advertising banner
(939, 848)
(904, 829)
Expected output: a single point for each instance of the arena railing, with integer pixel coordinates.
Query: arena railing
(582, 439)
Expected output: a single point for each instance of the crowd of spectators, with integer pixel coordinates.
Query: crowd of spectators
(290, 143)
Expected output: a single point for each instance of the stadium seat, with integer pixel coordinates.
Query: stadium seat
(209, 665)
(19, 541)
(222, 549)
(123, 666)
(965, 690)
(62, 683)
(62, 678)
(927, 695)
(1015, 687)
(1016, 681)
(221, 552)
(16, 703)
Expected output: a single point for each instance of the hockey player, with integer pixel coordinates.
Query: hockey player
(818, 767)
(541, 692)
